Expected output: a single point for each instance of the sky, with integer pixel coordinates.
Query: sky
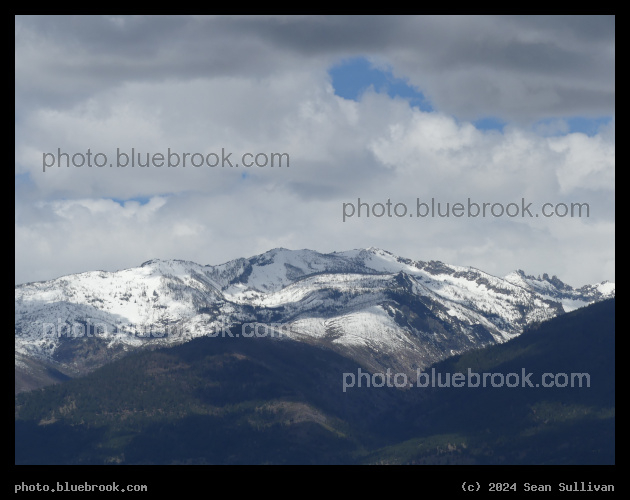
(503, 110)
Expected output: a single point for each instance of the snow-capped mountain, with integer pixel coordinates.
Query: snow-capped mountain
(554, 289)
(382, 310)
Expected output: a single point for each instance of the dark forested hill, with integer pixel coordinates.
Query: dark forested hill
(262, 400)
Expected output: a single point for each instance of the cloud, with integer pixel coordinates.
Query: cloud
(262, 85)
(521, 68)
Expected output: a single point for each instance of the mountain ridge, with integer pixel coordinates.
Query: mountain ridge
(367, 303)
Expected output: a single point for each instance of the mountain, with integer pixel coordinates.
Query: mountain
(378, 309)
(563, 413)
(257, 400)
(554, 289)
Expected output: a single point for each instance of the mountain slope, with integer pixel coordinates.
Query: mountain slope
(260, 400)
(223, 400)
(572, 421)
(381, 310)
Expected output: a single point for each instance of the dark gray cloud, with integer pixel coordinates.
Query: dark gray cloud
(66, 58)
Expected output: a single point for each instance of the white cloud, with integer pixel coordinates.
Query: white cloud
(196, 89)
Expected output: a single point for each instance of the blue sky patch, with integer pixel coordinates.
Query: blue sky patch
(354, 76)
(588, 126)
(489, 123)
(143, 200)
(561, 126)
(22, 179)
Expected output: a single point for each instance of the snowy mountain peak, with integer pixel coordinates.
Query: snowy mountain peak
(367, 302)
(555, 289)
